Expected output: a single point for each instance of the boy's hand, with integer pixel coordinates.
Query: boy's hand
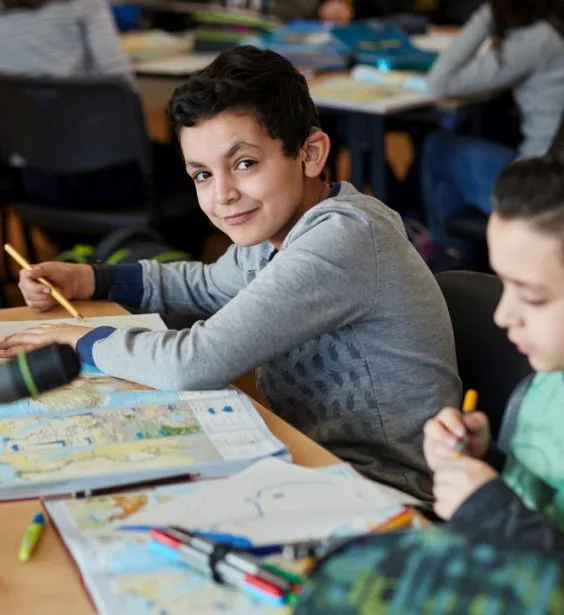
(444, 432)
(456, 482)
(336, 11)
(74, 282)
(41, 336)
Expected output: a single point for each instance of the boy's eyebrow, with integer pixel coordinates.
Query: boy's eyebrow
(237, 146)
(228, 154)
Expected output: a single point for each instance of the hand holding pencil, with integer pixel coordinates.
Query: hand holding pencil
(46, 284)
(453, 430)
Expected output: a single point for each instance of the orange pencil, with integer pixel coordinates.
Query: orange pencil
(55, 293)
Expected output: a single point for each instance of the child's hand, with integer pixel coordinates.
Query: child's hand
(74, 282)
(41, 335)
(336, 11)
(456, 482)
(444, 432)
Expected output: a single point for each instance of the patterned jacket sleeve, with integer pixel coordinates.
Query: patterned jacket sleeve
(497, 511)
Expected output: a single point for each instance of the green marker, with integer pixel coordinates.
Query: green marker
(31, 537)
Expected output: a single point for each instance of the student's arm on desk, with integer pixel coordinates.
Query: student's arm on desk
(312, 288)
(464, 70)
(496, 510)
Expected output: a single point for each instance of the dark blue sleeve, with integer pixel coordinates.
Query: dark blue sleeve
(86, 343)
(127, 284)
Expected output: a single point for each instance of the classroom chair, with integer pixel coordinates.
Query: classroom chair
(487, 360)
(82, 125)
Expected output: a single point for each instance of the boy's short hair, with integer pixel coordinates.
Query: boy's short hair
(533, 189)
(256, 81)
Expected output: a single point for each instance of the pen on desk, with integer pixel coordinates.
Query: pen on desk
(243, 561)
(469, 404)
(31, 537)
(55, 293)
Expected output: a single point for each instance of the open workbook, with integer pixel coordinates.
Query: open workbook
(270, 502)
(100, 432)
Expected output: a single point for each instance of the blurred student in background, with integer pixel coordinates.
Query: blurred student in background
(444, 11)
(76, 38)
(515, 45)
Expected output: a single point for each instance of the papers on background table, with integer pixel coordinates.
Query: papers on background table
(149, 44)
(370, 90)
(175, 65)
(269, 502)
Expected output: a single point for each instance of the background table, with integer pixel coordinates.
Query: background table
(49, 583)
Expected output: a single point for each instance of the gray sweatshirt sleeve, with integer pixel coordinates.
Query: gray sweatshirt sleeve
(102, 41)
(464, 70)
(310, 288)
(193, 287)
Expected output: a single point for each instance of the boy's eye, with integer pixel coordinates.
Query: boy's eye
(201, 176)
(245, 164)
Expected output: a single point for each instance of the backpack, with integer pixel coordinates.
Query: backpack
(127, 245)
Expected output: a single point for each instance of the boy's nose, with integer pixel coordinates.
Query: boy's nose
(225, 191)
(506, 315)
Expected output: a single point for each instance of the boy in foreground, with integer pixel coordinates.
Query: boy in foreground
(518, 497)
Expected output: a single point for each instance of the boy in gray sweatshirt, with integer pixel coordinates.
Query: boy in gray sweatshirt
(321, 292)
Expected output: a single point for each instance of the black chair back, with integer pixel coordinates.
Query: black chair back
(487, 360)
(72, 125)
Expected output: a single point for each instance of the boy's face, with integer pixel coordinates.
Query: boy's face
(246, 185)
(530, 264)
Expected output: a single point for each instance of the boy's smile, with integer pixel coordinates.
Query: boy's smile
(247, 186)
(530, 263)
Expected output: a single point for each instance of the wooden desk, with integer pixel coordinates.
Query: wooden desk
(49, 583)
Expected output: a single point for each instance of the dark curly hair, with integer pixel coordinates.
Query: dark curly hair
(256, 81)
(511, 14)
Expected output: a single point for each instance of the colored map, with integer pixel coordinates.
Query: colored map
(89, 390)
(97, 428)
(180, 592)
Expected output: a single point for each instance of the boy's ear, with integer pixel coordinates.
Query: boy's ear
(315, 152)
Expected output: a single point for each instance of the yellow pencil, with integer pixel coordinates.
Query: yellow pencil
(469, 404)
(55, 293)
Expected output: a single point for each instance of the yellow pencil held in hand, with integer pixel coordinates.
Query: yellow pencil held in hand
(469, 404)
(55, 293)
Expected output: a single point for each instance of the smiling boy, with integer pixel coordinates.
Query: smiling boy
(321, 292)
